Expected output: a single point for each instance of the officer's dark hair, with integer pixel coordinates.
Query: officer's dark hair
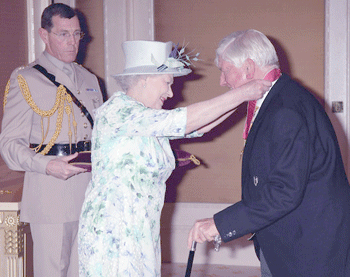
(60, 9)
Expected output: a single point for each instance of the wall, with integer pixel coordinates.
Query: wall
(13, 45)
(297, 30)
(93, 27)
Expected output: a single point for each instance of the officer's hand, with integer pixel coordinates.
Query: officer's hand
(61, 169)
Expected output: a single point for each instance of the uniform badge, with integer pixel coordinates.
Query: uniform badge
(92, 89)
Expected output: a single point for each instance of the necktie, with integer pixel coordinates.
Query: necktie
(273, 75)
(69, 71)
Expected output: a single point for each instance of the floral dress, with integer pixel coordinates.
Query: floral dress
(119, 232)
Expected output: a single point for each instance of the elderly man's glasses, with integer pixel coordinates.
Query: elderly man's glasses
(77, 35)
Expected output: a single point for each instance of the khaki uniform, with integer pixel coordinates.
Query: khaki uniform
(46, 199)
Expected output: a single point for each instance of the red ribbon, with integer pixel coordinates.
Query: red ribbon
(273, 75)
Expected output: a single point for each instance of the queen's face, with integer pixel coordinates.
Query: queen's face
(157, 90)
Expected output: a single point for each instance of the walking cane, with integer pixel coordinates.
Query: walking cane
(217, 244)
(190, 259)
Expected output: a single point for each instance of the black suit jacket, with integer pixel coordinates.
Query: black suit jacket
(295, 194)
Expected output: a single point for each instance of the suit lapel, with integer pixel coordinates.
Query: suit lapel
(281, 82)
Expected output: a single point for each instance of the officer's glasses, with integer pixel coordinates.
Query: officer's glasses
(63, 36)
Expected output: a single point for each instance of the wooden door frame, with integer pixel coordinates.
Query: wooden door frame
(337, 50)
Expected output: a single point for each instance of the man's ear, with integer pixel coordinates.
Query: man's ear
(249, 67)
(44, 35)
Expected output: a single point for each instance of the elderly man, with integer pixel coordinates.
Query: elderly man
(46, 121)
(295, 193)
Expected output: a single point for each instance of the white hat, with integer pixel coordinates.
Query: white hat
(151, 57)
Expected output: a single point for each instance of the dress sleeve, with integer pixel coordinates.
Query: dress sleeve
(128, 117)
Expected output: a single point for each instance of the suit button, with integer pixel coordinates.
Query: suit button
(85, 125)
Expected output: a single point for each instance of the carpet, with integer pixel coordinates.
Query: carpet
(203, 270)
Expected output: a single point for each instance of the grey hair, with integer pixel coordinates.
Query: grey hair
(239, 46)
(127, 81)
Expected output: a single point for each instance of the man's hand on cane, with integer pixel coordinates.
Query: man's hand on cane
(203, 230)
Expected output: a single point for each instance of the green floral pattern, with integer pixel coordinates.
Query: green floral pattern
(119, 231)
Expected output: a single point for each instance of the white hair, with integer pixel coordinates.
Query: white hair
(239, 46)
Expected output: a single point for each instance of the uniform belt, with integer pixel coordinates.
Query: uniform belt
(65, 149)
